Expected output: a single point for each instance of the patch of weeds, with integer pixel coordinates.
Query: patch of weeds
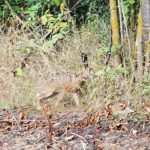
(98, 26)
(116, 49)
(116, 117)
(103, 121)
(142, 115)
(4, 104)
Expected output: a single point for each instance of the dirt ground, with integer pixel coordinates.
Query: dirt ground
(68, 131)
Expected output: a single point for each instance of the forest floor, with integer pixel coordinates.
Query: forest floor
(109, 127)
(71, 130)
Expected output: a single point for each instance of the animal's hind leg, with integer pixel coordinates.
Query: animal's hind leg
(76, 98)
(60, 97)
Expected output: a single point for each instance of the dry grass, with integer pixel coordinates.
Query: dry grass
(19, 90)
(65, 56)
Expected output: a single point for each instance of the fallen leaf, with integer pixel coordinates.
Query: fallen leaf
(112, 109)
(147, 107)
(98, 145)
(126, 111)
(90, 119)
(134, 132)
(22, 114)
(70, 138)
(117, 125)
(56, 124)
(1, 144)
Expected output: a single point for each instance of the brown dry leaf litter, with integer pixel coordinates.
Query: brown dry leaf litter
(74, 130)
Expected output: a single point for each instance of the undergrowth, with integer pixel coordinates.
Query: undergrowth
(23, 62)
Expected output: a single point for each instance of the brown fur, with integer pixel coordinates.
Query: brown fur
(59, 85)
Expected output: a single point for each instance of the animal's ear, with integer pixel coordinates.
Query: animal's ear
(84, 60)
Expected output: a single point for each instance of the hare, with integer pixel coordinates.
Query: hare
(60, 84)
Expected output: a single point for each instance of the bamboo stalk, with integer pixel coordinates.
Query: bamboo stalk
(121, 23)
(115, 30)
(128, 38)
(139, 46)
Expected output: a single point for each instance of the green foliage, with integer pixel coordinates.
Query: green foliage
(49, 44)
(57, 2)
(145, 87)
(19, 72)
(104, 49)
(48, 15)
(44, 14)
(140, 116)
(109, 74)
(81, 10)
(98, 26)
(35, 8)
(146, 77)
(116, 49)
(30, 8)
(129, 11)
(116, 117)
(99, 7)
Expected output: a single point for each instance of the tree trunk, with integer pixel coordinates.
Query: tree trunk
(146, 33)
(139, 46)
(132, 33)
(115, 40)
(115, 30)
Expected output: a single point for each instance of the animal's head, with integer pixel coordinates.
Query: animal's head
(84, 74)
(86, 70)
(84, 60)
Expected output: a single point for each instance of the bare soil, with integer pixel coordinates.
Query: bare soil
(59, 133)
